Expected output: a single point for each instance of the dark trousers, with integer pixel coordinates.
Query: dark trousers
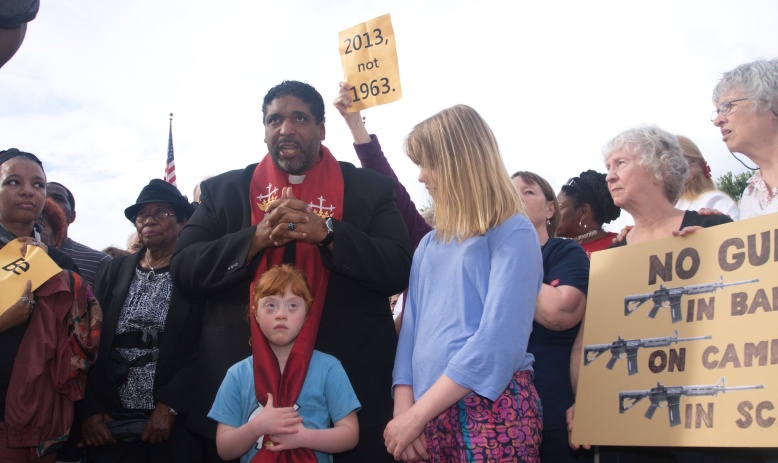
(182, 447)
(556, 448)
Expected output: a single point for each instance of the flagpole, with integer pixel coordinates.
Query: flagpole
(170, 165)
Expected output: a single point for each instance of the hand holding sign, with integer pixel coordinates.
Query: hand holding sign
(17, 269)
(369, 58)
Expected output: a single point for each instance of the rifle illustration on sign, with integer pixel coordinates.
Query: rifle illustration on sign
(669, 397)
(629, 348)
(672, 296)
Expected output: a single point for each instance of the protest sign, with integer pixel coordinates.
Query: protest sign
(680, 346)
(16, 270)
(369, 57)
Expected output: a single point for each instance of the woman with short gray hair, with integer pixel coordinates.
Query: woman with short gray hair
(646, 174)
(746, 102)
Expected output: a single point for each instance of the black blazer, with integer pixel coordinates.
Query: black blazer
(371, 261)
(175, 365)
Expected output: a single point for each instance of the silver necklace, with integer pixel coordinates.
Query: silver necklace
(153, 272)
(586, 235)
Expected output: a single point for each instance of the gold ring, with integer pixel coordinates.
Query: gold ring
(269, 443)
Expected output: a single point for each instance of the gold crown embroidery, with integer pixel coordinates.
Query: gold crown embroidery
(320, 210)
(265, 200)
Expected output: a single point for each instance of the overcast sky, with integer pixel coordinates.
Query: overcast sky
(91, 88)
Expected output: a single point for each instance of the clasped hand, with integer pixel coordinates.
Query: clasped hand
(404, 438)
(289, 219)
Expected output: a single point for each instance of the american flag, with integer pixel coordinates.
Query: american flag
(170, 166)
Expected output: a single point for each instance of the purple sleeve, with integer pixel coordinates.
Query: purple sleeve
(372, 157)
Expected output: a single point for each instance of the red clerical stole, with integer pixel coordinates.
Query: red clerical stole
(322, 189)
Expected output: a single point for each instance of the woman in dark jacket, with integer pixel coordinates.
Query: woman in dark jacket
(49, 336)
(137, 394)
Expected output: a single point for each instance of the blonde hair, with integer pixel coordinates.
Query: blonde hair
(699, 180)
(277, 280)
(474, 192)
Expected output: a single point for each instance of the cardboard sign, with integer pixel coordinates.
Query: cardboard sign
(16, 270)
(369, 58)
(680, 345)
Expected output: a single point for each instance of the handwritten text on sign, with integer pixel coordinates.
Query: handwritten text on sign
(369, 58)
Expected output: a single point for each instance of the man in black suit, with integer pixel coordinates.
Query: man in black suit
(345, 221)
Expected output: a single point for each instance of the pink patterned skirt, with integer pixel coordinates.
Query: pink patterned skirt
(476, 429)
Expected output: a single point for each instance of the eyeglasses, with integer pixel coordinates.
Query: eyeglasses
(724, 108)
(158, 215)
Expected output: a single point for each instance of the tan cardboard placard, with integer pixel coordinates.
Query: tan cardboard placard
(691, 322)
(16, 270)
(369, 58)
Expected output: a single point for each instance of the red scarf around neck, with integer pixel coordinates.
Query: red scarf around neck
(322, 189)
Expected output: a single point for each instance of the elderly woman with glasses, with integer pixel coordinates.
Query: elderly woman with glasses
(137, 398)
(746, 100)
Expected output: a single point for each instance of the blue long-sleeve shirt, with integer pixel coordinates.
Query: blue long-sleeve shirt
(470, 310)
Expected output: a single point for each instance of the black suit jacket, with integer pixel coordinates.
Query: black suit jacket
(371, 261)
(175, 371)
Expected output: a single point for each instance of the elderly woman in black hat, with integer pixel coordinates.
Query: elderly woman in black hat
(136, 403)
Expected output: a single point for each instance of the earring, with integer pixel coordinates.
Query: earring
(548, 221)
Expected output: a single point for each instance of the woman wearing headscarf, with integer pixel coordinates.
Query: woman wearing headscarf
(584, 206)
(137, 393)
(746, 101)
(49, 337)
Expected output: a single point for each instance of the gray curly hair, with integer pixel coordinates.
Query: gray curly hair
(659, 152)
(758, 80)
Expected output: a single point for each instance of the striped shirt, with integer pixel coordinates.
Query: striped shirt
(86, 258)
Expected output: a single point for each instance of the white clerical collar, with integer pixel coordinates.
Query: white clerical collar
(296, 179)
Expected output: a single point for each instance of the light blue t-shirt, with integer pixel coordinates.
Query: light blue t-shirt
(470, 309)
(326, 397)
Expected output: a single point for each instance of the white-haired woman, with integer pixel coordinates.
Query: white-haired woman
(646, 174)
(746, 101)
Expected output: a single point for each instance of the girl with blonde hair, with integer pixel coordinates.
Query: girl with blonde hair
(462, 381)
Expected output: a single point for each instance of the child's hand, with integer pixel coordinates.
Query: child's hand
(274, 420)
(294, 440)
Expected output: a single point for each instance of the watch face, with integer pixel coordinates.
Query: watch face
(330, 227)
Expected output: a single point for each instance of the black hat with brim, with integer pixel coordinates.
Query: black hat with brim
(159, 191)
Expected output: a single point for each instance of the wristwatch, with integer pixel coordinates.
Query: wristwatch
(330, 233)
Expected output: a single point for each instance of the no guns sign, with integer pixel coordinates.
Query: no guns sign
(687, 329)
